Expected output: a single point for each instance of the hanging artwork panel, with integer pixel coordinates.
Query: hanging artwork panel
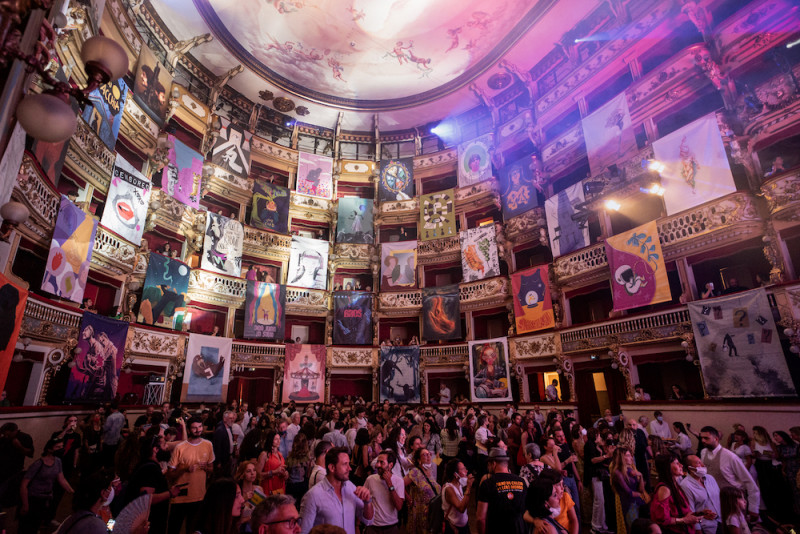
(519, 193)
(396, 180)
(441, 313)
(181, 177)
(304, 373)
(738, 346)
(566, 234)
(265, 310)
(475, 160)
(104, 112)
(50, 156)
(127, 202)
(165, 286)
(222, 245)
(12, 308)
(70, 252)
(152, 85)
(352, 319)
(399, 374)
(208, 367)
(479, 253)
(354, 222)
(10, 164)
(315, 175)
(231, 151)
(398, 265)
(608, 135)
(100, 353)
(533, 307)
(270, 207)
(308, 263)
(437, 215)
(490, 380)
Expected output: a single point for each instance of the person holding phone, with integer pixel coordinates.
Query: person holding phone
(702, 491)
(189, 466)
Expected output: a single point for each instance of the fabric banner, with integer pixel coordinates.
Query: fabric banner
(533, 307)
(638, 274)
(352, 320)
(441, 313)
(566, 234)
(165, 286)
(488, 370)
(304, 373)
(70, 252)
(100, 353)
(519, 194)
(608, 135)
(270, 207)
(264, 311)
(308, 263)
(354, 223)
(396, 180)
(231, 150)
(315, 175)
(104, 114)
(208, 367)
(222, 245)
(127, 202)
(10, 164)
(475, 161)
(12, 308)
(738, 346)
(479, 253)
(696, 166)
(398, 265)
(437, 215)
(181, 177)
(51, 157)
(400, 374)
(152, 85)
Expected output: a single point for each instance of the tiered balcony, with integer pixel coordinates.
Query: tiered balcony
(476, 295)
(438, 164)
(217, 289)
(743, 36)
(529, 347)
(300, 301)
(530, 226)
(89, 158)
(230, 186)
(399, 212)
(150, 342)
(587, 265)
(783, 195)
(273, 155)
(778, 114)
(565, 149)
(477, 196)
(118, 25)
(191, 111)
(352, 256)
(136, 126)
(445, 250)
(42, 200)
(254, 354)
(310, 208)
(49, 321)
(267, 245)
(111, 254)
(433, 355)
(400, 303)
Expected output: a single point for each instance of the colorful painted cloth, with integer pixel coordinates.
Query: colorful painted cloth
(533, 307)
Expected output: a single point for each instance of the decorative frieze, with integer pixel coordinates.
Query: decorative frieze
(154, 343)
(263, 244)
(432, 355)
(351, 357)
(111, 254)
(783, 196)
(213, 288)
(529, 347)
(437, 251)
(41, 199)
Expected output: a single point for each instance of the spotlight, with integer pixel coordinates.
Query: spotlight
(656, 189)
(612, 205)
(793, 43)
(656, 166)
(289, 123)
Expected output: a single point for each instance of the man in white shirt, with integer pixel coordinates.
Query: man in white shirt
(388, 493)
(318, 472)
(336, 437)
(659, 427)
(728, 469)
(702, 492)
(538, 416)
(292, 430)
(643, 420)
(350, 435)
(444, 393)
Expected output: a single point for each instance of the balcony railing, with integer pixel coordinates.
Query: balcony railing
(438, 250)
(216, 288)
(532, 346)
(90, 158)
(743, 36)
(352, 356)
(255, 353)
(299, 300)
(49, 322)
(403, 300)
(494, 290)
(444, 354)
(580, 262)
(113, 254)
(783, 195)
(264, 244)
(41, 199)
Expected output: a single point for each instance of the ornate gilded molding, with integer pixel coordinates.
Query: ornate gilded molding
(41, 199)
(531, 347)
(273, 155)
(111, 254)
(307, 301)
(390, 301)
(783, 196)
(259, 354)
(263, 244)
(230, 186)
(213, 288)
(484, 293)
(154, 343)
(138, 128)
(90, 158)
(438, 251)
(437, 164)
(530, 226)
(433, 355)
(310, 208)
(352, 256)
(352, 357)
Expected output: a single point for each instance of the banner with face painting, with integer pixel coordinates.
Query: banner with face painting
(104, 114)
(222, 246)
(441, 313)
(181, 177)
(533, 307)
(399, 374)
(352, 319)
(398, 265)
(479, 253)
(308, 263)
(566, 234)
(520, 194)
(490, 379)
(475, 160)
(100, 353)
(231, 150)
(208, 368)
(738, 346)
(396, 180)
(354, 223)
(165, 286)
(270, 207)
(304, 373)
(127, 202)
(264, 310)
(437, 215)
(315, 175)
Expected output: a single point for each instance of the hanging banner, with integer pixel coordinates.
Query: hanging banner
(738, 346)
(315, 175)
(222, 246)
(100, 353)
(12, 308)
(696, 166)
(399, 380)
(50, 156)
(182, 175)
(127, 202)
(231, 151)
(490, 380)
(165, 286)
(270, 207)
(475, 161)
(441, 313)
(152, 85)
(70, 252)
(396, 180)
(352, 320)
(264, 311)
(608, 135)
(519, 193)
(104, 114)
(398, 265)
(208, 367)
(437, 215)
(308, 263)
(566, 234)
(354, 223)
(533, 307)
(11, 163)
(304, 373)
(479, 253)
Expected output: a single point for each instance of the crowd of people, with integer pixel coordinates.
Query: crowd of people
(385, 468)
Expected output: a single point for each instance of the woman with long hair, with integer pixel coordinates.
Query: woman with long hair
(395, 441)
(298, 465)
(249, 479)
(450, 437)
(455, 500)
(272, 465)
(628, 486)
(361, 458)
(683, 445)
(733, 505)
(657, 446)
(221, 510)
(669, 508)
(250, 449)
(421, 488)
(550, 457)
(787, 449)
(530, 434)
(376, 437)
(430, 437)
(768, 469)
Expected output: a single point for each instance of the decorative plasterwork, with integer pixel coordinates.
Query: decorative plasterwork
(583, 263)
(263, 244)
(90, 158)
(515, 131)
(258, 354)
(783, 196)
(530, 226)
(484, 293)
(230, 186)
(352, 256)
(218, 289)
(440, 355)
(138, 128)
(273, 155)
(116, 22)
(390, 301)
(310, 208)
(42, 201)
(747, 32)
(559, 153)
(191, 111)
(352, 357)
(307, 301)
(154, 343)
(111, 254)
(438, 251)
(440, 163)
(529, 347)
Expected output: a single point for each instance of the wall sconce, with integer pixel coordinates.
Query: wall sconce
(13, 214)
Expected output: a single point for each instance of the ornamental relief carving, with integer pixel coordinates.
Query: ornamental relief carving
(46, 330)
(439, 247)
(217, 284)
(526, 226)
(265, 360)
(533, 347)
(407, 299)
(152, 343)
(276, 151)
(350, 357)
(781, 191)
(439, 158)
(484, 289)
(307, 297)
(353, 252)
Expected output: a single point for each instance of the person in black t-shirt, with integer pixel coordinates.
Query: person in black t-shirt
(501, 497)
(148, 478)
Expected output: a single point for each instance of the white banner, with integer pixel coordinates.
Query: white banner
(208, 368)
(308, 263)
(222, 246)
(566, 235)
(479, 253)
(127, 202)
(608, 135)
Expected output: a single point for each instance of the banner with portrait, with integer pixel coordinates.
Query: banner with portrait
(152, 85)
(475, 160)
(70, 252)
(398, 265)
(127, 202)
(222, 245)
(566, 234)
(181, 177)
(208, 367)
(441, 313)
(490, 379)
(437, 215)
(315, 175)
(12, 307)
(231, 151)
(304, 373)
(519, 193)
(308, 263)
(352, 318)
(264, 310)
(608, 135)
(479, 253)
(738, 346)
(100, 353)
(399, 375)
(270, 209)
(533, 306)
(165, 286)
(354, 222)
(396, 180)
(104, 112)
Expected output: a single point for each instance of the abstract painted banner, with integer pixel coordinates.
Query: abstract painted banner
(566, 234)
(638, 274)
(475, 161)
(304, 373)
(165, 286)
(488, 370)
(441, 313)
(231, 151)
(265, 310)
(352, 319)
(479, 253)
(398, 265)
(222, 245)
(696, 166)
(208, 367)
(533, 307)
(104, 114)
(100, 353)
(397, 180)
(354, 224)
(308, 263)
(738, 346)
(12, 308)
(70, 252)
(315, 175)
(608, 135)
(399, 380)
(270, 207)
(127, 202)
(183, 173)
(519, 193)
(437, 215)
(152, 86)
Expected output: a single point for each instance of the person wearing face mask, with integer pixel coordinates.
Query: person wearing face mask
(542, 504)
(659, 427)
(421, 487)
(93, 493)
(669, 507)
(455, 501)
(702, 492)
(148, 478)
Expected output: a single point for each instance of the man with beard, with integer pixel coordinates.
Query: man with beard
(190, 462)
(728, 469)
(148, 478)
(388, 492)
